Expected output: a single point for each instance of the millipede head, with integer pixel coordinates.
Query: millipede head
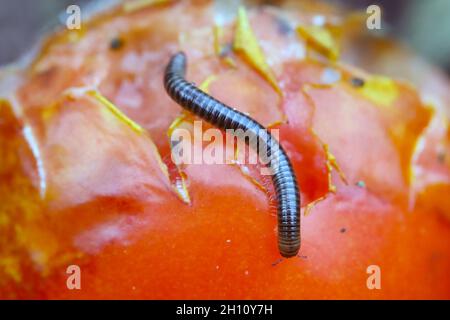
(177, 64)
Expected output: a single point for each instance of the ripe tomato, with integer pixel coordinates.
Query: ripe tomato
(86, 178)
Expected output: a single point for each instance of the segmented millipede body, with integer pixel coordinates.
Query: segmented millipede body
(224, 117)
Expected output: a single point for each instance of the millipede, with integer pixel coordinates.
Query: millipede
(189, 97)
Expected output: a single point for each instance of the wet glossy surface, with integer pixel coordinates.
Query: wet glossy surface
(81, 185)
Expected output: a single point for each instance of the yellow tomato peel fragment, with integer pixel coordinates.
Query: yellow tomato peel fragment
(246, 172)
(204, 86)
(178, 178)
(312, 204)
(177, 122)
(218, 33)
(321, 40)
(245, 42)
(111, 107)
(229, 61)
(380, 90)
(332, 164)
(179, 186)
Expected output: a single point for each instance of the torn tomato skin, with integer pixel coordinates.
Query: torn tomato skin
(223, 246)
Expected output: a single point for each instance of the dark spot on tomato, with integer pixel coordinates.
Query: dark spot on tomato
(283, 26)
(357, 82)
(116, 44)
(226, 50)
